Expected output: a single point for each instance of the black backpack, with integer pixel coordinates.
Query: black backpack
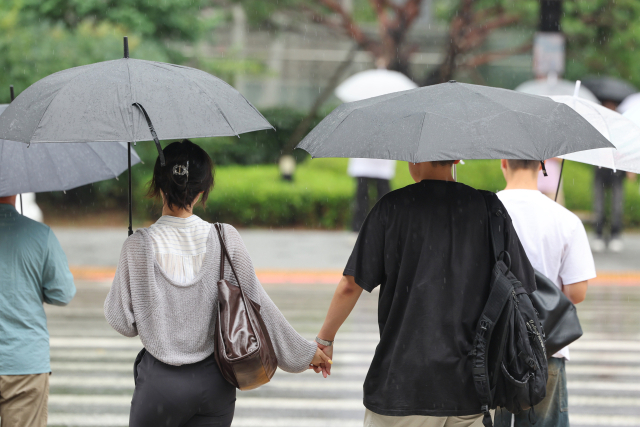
(509, 356)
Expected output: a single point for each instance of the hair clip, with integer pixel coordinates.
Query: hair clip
(181, 170)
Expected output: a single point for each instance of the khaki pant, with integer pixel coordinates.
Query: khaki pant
(371, 419)
(23, 400)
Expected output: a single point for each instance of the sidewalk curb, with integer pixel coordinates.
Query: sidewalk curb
(332, 277)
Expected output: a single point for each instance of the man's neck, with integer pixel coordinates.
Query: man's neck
(522, 181)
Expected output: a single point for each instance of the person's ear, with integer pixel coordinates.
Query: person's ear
(455, 162)
(503, 164)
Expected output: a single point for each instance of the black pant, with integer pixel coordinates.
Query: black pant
(192, 395)
(362, 198)
(608, 179)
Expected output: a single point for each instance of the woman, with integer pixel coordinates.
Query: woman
(165, 290)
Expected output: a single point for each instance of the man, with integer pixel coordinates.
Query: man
(369, 172)
(33, 270)
(556, 243)
(427, 246)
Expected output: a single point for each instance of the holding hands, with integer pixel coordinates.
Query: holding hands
(321, 361)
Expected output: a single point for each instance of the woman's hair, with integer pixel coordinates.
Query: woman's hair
(188, 171)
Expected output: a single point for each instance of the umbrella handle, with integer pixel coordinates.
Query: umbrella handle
(559, 181)
(153, 133)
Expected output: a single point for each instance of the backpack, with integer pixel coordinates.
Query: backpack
(509, 356)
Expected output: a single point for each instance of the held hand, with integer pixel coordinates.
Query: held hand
(320, 359)
(326, 368)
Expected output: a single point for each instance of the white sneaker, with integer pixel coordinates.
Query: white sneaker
(598, 246)
(616, 245)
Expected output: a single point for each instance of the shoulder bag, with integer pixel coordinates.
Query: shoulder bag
(558, 315)
(244, 351)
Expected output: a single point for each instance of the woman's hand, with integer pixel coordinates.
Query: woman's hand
(319, 361)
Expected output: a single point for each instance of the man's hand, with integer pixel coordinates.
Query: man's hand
(326, 367)
(319, 361)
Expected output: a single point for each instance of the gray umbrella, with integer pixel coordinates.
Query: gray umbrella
(57, 167)
(128, 100)
(453, 121)
(609, 88)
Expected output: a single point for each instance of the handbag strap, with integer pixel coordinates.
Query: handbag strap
(225, 254)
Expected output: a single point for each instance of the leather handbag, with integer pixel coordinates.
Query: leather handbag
(558, 315)
(243, 349)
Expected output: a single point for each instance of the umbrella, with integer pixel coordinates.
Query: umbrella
(452, 121)
(630, 102)
(370, 83)
(58, 167)
(623, 133)
(128, 100)
(609, 88)
(554, 87)
(364, 85)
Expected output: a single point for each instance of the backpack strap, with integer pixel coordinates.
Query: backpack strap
(497, 221)
(501, 291)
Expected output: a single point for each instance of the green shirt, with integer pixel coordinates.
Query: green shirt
(33, 270)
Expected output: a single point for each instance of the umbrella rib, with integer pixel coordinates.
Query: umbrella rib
(89, 67)
(189, 81)
(181, 67)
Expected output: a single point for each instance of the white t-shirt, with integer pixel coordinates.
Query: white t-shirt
(553, 238)
(372, 168)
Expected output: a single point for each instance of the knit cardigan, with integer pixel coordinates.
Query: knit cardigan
(176, 322)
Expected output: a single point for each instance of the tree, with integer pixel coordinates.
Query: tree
(470, 24)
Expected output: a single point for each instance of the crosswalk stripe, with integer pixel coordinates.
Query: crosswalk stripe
(127, 367)
(604, 420)
(89, 342)
(298, 403)
(94, 420)
(308, 383)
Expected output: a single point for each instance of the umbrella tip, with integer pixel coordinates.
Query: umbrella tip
(11, 91)
(126, 46)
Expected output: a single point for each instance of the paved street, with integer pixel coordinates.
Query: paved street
(92, 378)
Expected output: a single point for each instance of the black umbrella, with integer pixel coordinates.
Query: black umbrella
(453, 121)
(128, 100)
(609, 88)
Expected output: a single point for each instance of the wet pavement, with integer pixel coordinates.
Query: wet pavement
(92, 380)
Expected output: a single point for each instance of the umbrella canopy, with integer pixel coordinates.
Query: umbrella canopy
(554, 87)
(370, 83)
(57, 167)
(452, 121)
(609, 88)
(620, 130)
(630, 102)
(99, 102)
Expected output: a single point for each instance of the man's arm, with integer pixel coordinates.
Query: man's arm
(576, 292)
(344, 299)
(57, 280)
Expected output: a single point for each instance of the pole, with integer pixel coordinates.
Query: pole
(13, 96)
(559, 181)
(130, 199)
(125, 41)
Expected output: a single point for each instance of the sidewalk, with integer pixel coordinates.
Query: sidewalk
(295, 256)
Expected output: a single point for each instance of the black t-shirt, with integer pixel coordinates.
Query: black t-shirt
(427, 245)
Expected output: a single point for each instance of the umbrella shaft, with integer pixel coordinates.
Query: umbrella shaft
(130, 198)
(21, 205)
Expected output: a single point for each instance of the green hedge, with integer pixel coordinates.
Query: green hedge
(321, 195)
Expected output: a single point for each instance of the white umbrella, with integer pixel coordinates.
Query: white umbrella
(555, 87)
(620, 130)
(370, 83)
(364, 85)
(629, 103)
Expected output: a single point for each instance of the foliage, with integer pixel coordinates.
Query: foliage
(174, 19)
(38, 38)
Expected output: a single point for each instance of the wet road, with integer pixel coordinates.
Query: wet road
(92, 379)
